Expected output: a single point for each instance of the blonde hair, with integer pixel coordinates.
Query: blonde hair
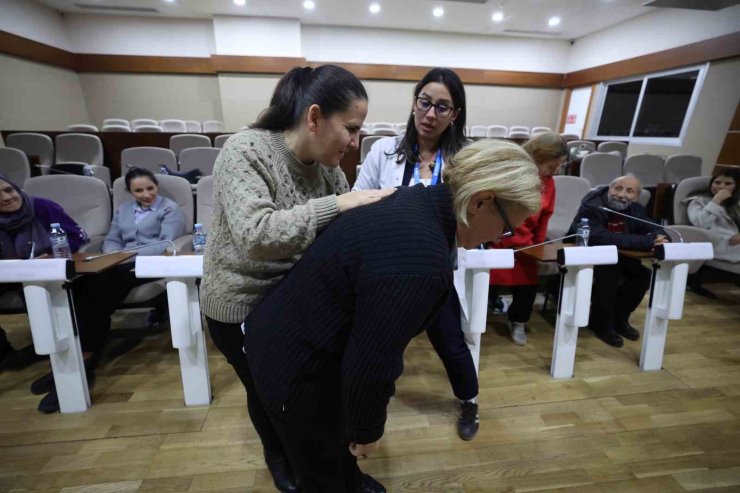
(546, 146)
(494, 166)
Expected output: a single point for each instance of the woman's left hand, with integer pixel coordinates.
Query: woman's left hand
(362, 450)
(734, 240)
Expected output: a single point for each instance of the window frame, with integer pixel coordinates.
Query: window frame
(603, 89)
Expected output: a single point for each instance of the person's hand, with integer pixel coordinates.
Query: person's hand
(361, 197)
(362, 450)
(660, 239)
(721, 196)
(734, 240)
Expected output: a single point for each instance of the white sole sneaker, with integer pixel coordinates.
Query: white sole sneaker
(517, 331)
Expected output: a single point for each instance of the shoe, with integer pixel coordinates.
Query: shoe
(500, 306)
(626, 330)
(282, 476)
(50, 403)
(609, 336)
(368, 484)
(43, 385)
(517, 333)
(469, 421)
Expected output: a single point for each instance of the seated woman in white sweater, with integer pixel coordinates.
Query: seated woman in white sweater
(718, 210)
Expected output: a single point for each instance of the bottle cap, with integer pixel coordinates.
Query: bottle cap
(198, 225)
(55, 225)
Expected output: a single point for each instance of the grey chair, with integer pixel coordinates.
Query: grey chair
(142, 121)
(540, 130)
(648, 168)
(82, 127)
(174, 126)
(79, 148)
(184, 141)
(518, 128)
(600, 168)
(569, 192)
(220, 140)
(680, 167)
(34, 144)
(85, 199)
(366, 144)
(516, 134)
(148, 129)
(80, 169)
(193, 126)
(570, 137)
(499, 131)
(644, 197)
(116, 121)
(116, 128)
(14, 165)
(477, 131)
(585, 146)
(204, 202)
(687, 187)
(610, 146)
(213, 126)
(149, 158)
(201, 158)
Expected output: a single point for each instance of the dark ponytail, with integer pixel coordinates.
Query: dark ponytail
(330, 87)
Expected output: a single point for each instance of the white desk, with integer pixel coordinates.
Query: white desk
(180, 274)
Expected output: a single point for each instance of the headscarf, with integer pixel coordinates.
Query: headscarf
(18, 229)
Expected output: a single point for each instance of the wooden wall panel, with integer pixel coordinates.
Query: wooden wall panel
(730, 153)
(37, 52)
(254, 64)
(564, 112)
(144, 64)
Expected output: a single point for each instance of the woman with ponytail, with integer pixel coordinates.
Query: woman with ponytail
(275, 187)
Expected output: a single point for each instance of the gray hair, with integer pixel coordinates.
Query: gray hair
(628, 175)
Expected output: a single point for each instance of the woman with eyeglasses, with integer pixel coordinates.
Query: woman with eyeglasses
(549, 153)
(434, 133)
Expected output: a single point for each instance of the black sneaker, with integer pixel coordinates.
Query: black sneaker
(624, 329)
(369, 484)
(469, 421)
(281, 473)
(609, 336)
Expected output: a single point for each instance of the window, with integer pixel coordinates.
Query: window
(654, 109)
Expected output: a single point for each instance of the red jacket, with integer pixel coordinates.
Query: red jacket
(531, 231)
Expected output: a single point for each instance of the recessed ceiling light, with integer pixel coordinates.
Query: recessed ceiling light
(374, 8)
(438, 12)
(554, 21)
(309, 5)
(497, 16)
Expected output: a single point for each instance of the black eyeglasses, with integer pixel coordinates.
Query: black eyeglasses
(442, 109)
(508, 231)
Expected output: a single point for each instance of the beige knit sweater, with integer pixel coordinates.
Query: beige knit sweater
(267, 210)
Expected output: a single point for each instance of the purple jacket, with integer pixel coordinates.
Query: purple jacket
(49, 212)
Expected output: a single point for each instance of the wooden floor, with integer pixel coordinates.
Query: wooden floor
(610, 429)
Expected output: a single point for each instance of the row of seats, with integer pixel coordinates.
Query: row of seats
(149, 125)
(499, 131)
(600, 168)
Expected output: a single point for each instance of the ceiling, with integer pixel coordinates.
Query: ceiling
(521, 17)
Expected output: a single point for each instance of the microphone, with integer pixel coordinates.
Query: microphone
(130, 249)
(550, 241)
(678, 233)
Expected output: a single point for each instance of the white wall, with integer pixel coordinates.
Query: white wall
(243, 97)
(34, 96)
(394, 47)
(119, 35)
(33, 21)
(257, 36)
(656, 31)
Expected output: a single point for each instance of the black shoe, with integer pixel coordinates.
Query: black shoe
(368, 484)
(282, 476)
(19, 359)
(609, 336)
(43, 385)
(50, 403)
(625, 329)
(468, 422)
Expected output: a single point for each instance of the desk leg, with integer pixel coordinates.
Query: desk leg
(573, 308)
(53, 331)
(476, 288)
(189, 340)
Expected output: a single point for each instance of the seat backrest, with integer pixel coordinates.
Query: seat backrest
(367, 143)
(600, 168)
(201, 158)
(82, 169)
(497, 131)
(193, 126)
(14, 165)
(175, 188)
(116, 121)
(382, 126)
(85, 199)
(621, 147)
(390, 132)
(184, 141)
(570, 137)
(540, 130)
(518, 128)
(149, 158)
(33, 144)
(173, 125)
(205, 202)
(83, 148)
(644, 197)
(648, 168)
(116, 128)
(143, 121)
(569, 191)
(82, 127)
(687, 187)
(478, 131)
(581, 144)
(220, 140)
(212, 126)
(518, 135)
(148, 128)
(680, 167)
(400, 127)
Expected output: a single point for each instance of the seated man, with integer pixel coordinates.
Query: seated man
(618, 289)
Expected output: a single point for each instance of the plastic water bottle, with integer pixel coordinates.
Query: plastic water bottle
(583, 231)
(199, 239)
(59, 242)
(163, 170)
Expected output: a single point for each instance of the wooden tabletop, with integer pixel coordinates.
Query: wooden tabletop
(100, 264)
(637, 253)
(545, 253)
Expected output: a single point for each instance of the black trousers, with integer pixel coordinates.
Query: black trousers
(523, 296)
(617, 291)
(446, 335)
(229, 339)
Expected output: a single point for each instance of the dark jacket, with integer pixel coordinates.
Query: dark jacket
(636, 236)
(343, 316)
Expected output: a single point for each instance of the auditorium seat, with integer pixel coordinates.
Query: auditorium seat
(220, 140)
(680, 167)
(14, 165)
(184, 141)
(149, 158)
(498, 131)
(148, 128)
(79, 148)
(201, 158)
(193, 126)
(213, 126)
(648, 168)
(34, 144)
(173, 126)
(82, 127)
(600, 168)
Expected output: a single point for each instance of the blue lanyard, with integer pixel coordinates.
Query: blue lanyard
(435, 173)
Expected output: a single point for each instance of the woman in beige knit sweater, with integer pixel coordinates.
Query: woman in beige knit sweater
(275, 187)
